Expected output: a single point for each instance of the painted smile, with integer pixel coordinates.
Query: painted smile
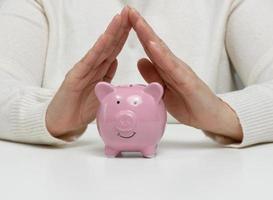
(127, 137)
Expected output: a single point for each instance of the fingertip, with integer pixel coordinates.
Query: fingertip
(133, 16)
(114, 25)
(134, 11)
(125, 9)
(148, 71)
(141, 62)
(125, 18)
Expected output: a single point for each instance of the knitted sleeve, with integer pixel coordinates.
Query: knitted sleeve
(23, 100)
(249, 42)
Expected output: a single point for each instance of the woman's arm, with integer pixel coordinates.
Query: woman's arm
(243, 117)
(186, 96)
(249, 42)
(33, 114)
(23, 101)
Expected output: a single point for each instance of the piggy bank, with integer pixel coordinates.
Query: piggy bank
(130, 118)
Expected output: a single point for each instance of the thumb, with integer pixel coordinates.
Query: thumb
(148, 71)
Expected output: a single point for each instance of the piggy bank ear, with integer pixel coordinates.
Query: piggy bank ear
(102, 89)
(155, 90)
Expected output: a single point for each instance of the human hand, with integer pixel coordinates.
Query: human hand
(74, 106)
(186, 96)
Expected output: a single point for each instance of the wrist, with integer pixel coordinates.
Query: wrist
(232, 126)
(57, 130)
(65, 134)
(228, 123)
(72, 135)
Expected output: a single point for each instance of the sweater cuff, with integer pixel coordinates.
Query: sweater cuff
(254, 109)
(28, 121)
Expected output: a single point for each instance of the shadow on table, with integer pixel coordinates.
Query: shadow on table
(76, 144)
(98, 150)
(188, 145)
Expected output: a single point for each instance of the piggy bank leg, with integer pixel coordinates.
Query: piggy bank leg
(149, 152)
(110, 152)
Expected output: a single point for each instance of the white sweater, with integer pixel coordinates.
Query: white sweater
(40, 40)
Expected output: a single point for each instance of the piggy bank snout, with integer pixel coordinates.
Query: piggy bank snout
(125, 121)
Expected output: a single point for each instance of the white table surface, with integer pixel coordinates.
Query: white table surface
(188, 166)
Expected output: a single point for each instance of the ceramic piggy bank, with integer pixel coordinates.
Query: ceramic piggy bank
(131, 118)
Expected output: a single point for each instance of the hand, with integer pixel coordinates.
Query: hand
(74, 106)
(186, 97)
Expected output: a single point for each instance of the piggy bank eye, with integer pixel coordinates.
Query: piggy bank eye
(118, 102)
(134, 100)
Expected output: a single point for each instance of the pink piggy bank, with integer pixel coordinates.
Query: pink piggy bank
(131, 118)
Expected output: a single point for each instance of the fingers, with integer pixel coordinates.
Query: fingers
(173, 70)
(151, 73)
(125, 17)
(110, 62)
(107, 47)
(103, 42)
(134, 17)
(88, 61)
(117, 45)
(106, 72)
(111, 71)
(163, 59)
(122, 31)
(144, 31)
(111, 35)
(123, 35)
(146, 35)
(103, 46)
(148, 71)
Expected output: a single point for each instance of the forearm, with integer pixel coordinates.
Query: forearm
(254, 109)
(22, 113)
